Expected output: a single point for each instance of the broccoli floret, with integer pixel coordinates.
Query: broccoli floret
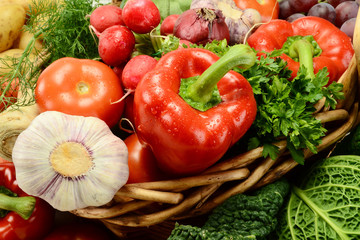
(240, 216)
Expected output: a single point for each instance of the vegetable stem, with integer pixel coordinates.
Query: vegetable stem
(238, 55)
(303, 50)
(24, 206)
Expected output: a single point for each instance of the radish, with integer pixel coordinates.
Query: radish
(141, 16)
(167, 26)
(116, 45)
(135, 69)
(106, 16)
(131, 74)
(118, 70)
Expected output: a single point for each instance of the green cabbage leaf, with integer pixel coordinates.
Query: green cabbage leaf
(326, 202)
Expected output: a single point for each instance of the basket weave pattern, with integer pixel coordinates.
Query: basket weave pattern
(155, 203)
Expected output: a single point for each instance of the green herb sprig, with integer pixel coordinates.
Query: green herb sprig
(65, 28)
(286, 108)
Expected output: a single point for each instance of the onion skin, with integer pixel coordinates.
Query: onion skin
(201, 25)
(240, 22)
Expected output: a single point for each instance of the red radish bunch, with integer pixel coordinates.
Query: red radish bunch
(116, 44)
(106, 16)
(115, 28)
(167, 26)
(141, 16)
(135, 69)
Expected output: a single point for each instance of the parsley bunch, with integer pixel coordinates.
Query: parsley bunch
(285, 108)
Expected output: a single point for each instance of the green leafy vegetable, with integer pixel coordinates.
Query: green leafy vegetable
(240, 216)
(325, 204)
(188, 232)
(285, 108)
(168, 7)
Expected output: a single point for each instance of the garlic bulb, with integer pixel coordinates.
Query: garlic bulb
(70, 161)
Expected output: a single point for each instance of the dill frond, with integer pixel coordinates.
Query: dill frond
(64, 29)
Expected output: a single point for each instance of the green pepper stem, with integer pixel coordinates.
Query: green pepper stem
(24, 206)
(303, 50)
(238, 55)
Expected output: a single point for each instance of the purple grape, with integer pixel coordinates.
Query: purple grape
(302, 6)
(323, 10)
(285, 10)
(295, 16)
(344, 11)
(334, 3)
(348, 27)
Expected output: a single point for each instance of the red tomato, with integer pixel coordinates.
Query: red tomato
(79, 231)
(142, 163)
(268, 9)
(80, 87)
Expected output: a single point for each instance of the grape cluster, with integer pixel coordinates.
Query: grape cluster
(342, 13)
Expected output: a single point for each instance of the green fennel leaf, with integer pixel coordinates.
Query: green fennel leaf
(65, 29)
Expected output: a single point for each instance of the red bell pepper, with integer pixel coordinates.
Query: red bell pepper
(183, 139)
(335, 49)
(24, 217)
(268, 9)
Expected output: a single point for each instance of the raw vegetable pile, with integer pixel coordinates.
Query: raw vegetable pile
(95, 96)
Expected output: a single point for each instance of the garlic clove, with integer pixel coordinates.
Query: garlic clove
(70, 161)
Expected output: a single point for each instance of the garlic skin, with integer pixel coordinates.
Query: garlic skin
(70, 161)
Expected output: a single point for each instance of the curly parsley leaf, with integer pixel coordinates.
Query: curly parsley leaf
(285, 108)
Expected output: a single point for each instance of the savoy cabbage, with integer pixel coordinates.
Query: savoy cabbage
(326, 204)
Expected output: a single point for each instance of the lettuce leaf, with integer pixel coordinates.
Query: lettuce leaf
(326, 204)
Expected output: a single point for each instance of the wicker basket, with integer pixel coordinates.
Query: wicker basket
(149, 210)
